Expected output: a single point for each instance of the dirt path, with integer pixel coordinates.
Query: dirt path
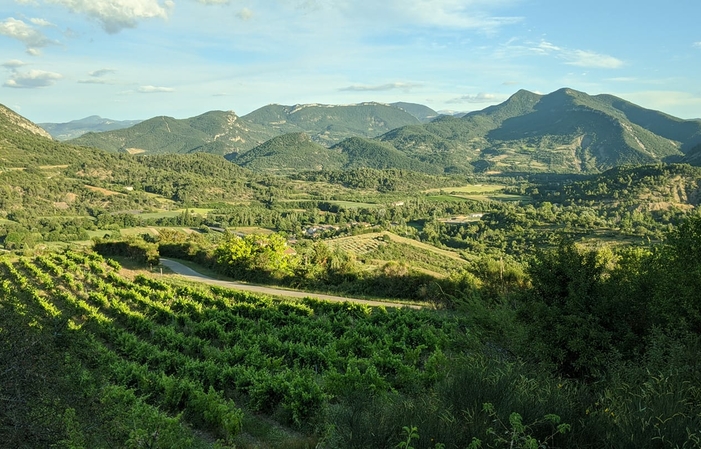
(192, 275)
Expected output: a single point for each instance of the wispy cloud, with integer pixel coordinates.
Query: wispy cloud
(98, 77)
(97, 81)
(13, 64)
(154, 89)
(214, 2)
(687, 105)
(477, 15)
(380, 88)
(580, 58)
(245, 14)
(696, 44)
(622, 79)
(32, 79)
(23, 32)
(115, 15)
(41, 22)
(101, 72)
(480, 98)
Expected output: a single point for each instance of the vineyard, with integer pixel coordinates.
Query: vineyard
(203, 363)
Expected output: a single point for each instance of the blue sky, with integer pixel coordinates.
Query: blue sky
(134, 59)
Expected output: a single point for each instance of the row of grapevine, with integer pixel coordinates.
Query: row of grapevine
(193, 350)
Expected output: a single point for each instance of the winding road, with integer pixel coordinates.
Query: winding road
(192, 275)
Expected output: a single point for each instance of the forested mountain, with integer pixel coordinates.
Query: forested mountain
(565, 131)
(296, 152)
(221, 132)
(329, 124)
(76, 128)
(289, 153)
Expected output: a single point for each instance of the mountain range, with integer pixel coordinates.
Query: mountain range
(223, 132)
(566, 131)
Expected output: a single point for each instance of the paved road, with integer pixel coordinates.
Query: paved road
(192, 275)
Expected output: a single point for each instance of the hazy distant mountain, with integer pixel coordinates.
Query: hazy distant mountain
(76, 128)
(421, 112)
(224, 132)
(565, 131)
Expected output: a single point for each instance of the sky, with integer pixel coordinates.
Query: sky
(62, 60)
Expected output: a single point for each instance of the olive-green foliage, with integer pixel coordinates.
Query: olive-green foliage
(135, 249)
(290, 153)
(572, 321)
(243, 257)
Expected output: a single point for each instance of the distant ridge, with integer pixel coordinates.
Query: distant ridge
(223, 133)
(76, 128)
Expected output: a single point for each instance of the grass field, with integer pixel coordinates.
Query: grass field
(361, 244)
(355, 205)
(251, 230)
(477, 192)
(357, 244)
(174, 213)
(469, 189)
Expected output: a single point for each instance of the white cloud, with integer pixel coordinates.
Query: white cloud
(245, 14)
(96, 81)
(480, 98)
(41, 22)
(381, 87)
(214, 2)
(591, 59)
(33, 79)
(154, 89)
(460, 14)
(115, 15)
(696, 44)
(579, 58)
(101, 72)
(13, 64)
(623, 79)
(17, 29)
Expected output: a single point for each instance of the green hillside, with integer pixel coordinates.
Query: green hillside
(365, 153)
(216, 132)
(24, 144)
(288, 153)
